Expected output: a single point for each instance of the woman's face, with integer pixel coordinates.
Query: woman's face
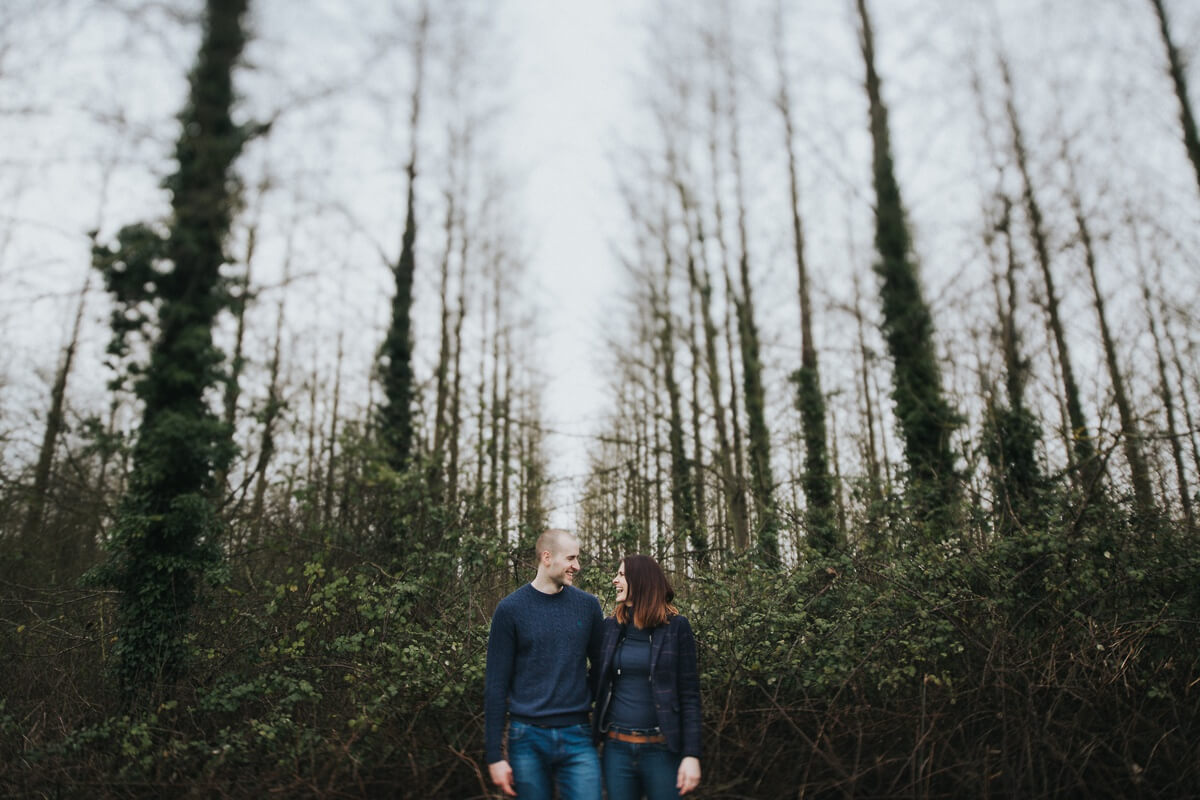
(621, 585)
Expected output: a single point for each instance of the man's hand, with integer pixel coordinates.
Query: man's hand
(502, 776)
(688, 777)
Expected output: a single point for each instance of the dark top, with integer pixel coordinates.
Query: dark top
(632, 699)
(674, 678)
(537, 661)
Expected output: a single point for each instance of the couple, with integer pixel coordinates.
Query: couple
(643, 679)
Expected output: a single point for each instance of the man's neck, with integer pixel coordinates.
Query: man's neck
(545, 585)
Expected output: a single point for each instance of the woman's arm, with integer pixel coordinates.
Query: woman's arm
(688, 687)
(688, 776)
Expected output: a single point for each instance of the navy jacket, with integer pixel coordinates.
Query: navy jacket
(675, 678)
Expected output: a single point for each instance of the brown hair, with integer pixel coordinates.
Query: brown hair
(650, 592)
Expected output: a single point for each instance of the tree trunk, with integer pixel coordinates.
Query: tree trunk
(683, 503)
(1131, 437)
(395, 413)
(1011, 433)
(1176, 68)
(1188, 417)
(442, 372)
(266, 447)
(166, 532)
(733, 482)
(1173, 434)
(698, 306)
(926, 420)
(1080, 438)
(761, 482)
(810, 402)
(874, 483)
(455, 433)
(331, 454)
(31, 528)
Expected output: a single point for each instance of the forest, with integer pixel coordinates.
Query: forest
(895, 371)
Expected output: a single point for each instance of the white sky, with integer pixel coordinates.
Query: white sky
(571, 100)
(573, 64)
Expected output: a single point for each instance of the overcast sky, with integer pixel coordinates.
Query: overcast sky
(73, 72)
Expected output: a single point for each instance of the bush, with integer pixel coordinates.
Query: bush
(1044, 665)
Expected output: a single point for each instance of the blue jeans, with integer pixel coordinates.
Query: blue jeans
(633, 771)
(539, 757)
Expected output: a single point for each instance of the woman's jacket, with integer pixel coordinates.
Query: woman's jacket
(674, 677)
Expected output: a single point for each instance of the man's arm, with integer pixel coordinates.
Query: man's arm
(595, 642)
(501, 653)
(502, 775)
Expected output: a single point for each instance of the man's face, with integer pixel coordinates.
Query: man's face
(563, 561)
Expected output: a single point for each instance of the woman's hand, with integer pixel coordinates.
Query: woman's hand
(688, 777)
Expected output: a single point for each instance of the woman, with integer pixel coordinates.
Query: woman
(648, 698)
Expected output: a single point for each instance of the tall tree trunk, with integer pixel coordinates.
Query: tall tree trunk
(505, 434)
(1176, 68)
(331, 454)
(1173, 434)
(683, 502)
(762, 484)
(1011, 433)
(810, 402)
(875, 490)
(646, 418)
(733, 482)
(699, 539)
(481, 399)
(1184, 402)
(659, 482)
(166, 532)
(395, 413)
(310, 455)
(493, 448)
(1081, 440)
(266, 446)
(31, 528)
(926, 419)
(238, 305)
(1131, 436)
(697, 306)
(455, 433)
(442, 372)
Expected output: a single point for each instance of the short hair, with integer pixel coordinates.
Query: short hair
(551, 539)
(649, 591)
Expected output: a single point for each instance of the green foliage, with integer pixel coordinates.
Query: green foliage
(935, 670)
(820, 523)
(1006, 668)
(925, 419)
(165, 537)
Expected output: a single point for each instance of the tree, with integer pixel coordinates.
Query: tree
(1011, 433)
(395, 412)
(1080, 440)
(810, 402)
(166, 533)
(926, 419)
(1175, 66)
(762, 484)
(1131, 437)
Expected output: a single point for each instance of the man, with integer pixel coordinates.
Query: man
(542, 637)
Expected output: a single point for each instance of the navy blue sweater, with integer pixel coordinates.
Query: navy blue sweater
(537, 661)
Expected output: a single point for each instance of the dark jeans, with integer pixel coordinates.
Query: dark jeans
(539, 757)
(633, 771)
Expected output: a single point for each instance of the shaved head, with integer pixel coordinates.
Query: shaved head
(553, 540)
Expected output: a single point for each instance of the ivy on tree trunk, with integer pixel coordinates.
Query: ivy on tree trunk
(165, 535)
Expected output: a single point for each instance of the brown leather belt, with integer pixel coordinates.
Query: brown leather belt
(637, 738)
